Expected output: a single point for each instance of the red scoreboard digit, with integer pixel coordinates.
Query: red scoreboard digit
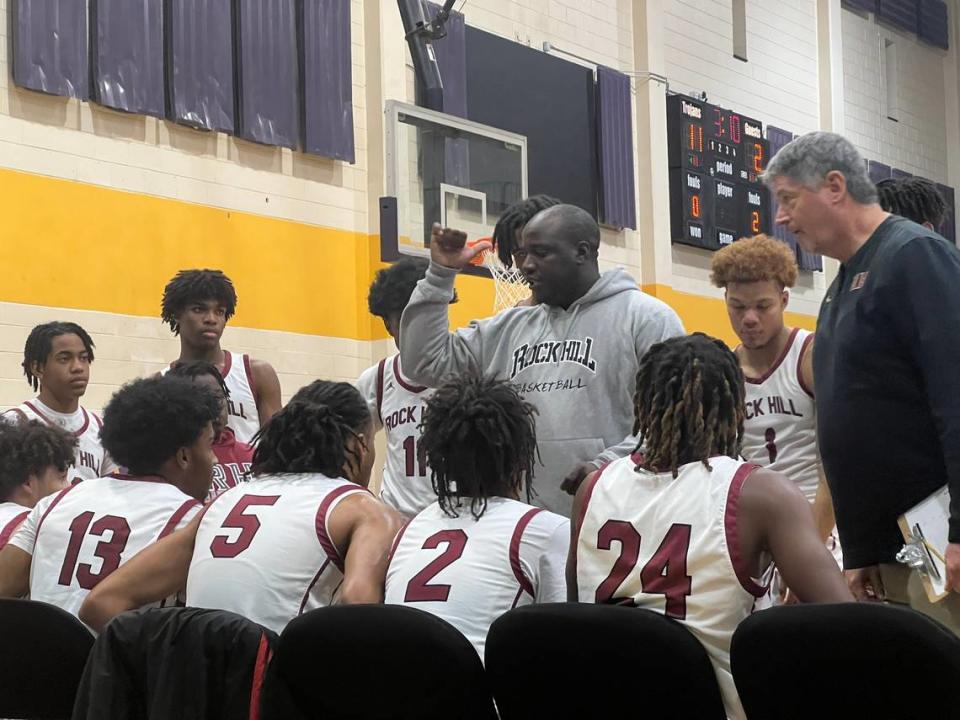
(716, 159)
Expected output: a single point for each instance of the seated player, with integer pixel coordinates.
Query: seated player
(685, 528)
(56, 363)
(395, 403)
(197, 305)
(161, 430)
(479, 551)
(506, 233)
(233, 457)
(303, 533)
(34, 460)
(914, 198)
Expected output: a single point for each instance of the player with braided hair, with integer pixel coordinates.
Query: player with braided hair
(34, 459)
(234, 457)
(685, 527)
(479, 550)
(914, 198)
(56, 362)
(302, 533)
(197, 305)
(506, 233)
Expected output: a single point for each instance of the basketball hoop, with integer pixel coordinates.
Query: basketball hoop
(509, 286)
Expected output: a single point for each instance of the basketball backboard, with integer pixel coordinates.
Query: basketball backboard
(443, 168)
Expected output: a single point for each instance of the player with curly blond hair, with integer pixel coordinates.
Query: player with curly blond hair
(777, 362)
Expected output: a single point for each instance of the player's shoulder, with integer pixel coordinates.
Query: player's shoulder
(15, 414)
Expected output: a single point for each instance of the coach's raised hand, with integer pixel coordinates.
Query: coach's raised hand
(448, 247)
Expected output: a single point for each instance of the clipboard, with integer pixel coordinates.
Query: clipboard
(925, 528)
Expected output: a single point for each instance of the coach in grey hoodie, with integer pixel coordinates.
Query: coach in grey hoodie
(574, 356)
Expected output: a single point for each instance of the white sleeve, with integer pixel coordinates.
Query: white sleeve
(545, 550)
(367, 385)
(25, 536)
(188, 516)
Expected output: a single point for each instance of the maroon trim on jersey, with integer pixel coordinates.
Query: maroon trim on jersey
(177, 517)
(51, 507)
(48, 421)
(137, 478)
(397, 539)
(321, 523)
(380, 389)
(249, 373)
(11, 526)
(591, 485)
(18, 411)
(303, 601)
(524, 581)
(637, 457)
(264, 655)
(773, 368)
(516, 599)
(803, 352)
(227, 364)
(733, 537)
(403, 383)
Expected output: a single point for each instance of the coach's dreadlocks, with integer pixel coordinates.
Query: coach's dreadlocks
(914, 198)
(189, 286)
(479, 439)
(40, 342)
(514, 218)
(311, 433)
(688, 403)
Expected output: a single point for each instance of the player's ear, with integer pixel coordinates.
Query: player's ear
(183, 458)
(784, 297)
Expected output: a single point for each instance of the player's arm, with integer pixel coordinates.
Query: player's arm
(14, 571)
(823, 508)
(268, 389)
(366, 528)
(573, 592)
(151, 575)
(428, 350)
(806, 368)
(775, 516)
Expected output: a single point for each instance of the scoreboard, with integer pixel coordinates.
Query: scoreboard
(716, 157)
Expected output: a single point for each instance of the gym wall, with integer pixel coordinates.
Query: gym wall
(100, 208)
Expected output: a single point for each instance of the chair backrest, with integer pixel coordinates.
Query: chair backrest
(375, 661)
(574, 660)
(845, 660)
(42, 653)
(184, 663)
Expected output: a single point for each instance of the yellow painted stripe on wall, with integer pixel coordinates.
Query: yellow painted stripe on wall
(69, 244)
(74, 245)
(709, 315)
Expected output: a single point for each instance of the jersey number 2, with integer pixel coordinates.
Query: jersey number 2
(249, 526)
(665, 573)
(109, 551)
(419, 588)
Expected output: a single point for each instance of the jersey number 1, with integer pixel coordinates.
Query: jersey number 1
(665, 573)
(415, 457)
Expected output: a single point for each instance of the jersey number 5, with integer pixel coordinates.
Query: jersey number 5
(109, 551)
(419, 588)
(249, 526)
(665, 573)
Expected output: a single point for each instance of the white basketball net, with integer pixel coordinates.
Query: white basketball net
(508, 283)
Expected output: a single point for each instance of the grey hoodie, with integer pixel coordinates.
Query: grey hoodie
(578, 366)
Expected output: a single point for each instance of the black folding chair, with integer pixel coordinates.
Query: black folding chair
(592, 661)
(849, 660)
(374, 662)
(42, 653)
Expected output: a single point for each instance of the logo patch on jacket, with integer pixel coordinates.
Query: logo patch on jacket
(554, 352)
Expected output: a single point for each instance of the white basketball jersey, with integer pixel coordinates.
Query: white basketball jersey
(780, 431)
(263, 551)
(396, 405)
(243, 417)
(11, 515)
(82, 534)
(84, 425)
(671, 545)
(469, 572)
